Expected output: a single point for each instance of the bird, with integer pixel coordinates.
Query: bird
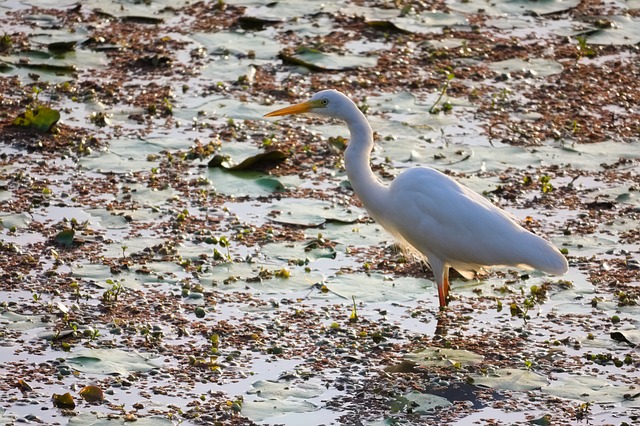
(446, 223)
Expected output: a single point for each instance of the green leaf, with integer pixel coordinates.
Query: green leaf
(112, 361)
(511, 379)
(442, 357)
(65, 238)
(41, 119)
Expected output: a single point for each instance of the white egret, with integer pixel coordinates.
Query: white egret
(449, 224)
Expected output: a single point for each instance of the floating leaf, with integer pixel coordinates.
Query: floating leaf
(263, 160)
(260, 410)
(589, 389)
(63, 401)
(92, 393)
(284, 389)
(41, 118)
(18, 220)
(62, 46)
(443, 357)
(511, 379)
(316, 60)
(312, 213)
(65, 237)
(111, 361)
(420, 403)
(539, 67)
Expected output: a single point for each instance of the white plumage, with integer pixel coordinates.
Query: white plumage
(451, 225)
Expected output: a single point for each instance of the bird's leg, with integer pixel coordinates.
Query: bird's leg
(443, 288)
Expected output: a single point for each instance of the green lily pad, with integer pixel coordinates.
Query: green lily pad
(419, 403)
(12, 321)
(376, 287)
(112, 361)
(312, 213)
(443, 357)
(260, 410)
(98, 275)
(424, 23)
(83, 418)
(239, 44)
(616, 30)
(269, 389)
(316, 60)
(512, 7)
(539, 67)
(589, 389)
(248, 182)
(17, 220)
(511, 379)
(41, 119)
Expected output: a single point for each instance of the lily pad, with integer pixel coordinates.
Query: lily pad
(283, 389)
(312, 213)
(537, 66)
(260, 410)
(419, 403)
(511, 379)
(84, 418)
(248, 183)
(375, 287)
(17, 220)
(616, 30)
(443, 357)
(425, 23)
(13, 321)
(112, 361)
(589, 389)
(512, 7)
(316, 60)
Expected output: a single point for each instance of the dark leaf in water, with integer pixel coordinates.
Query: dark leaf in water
(65, 237)
(62, 46)
(542, 421)
(63, 401)
(387, 27)
(405, 366)
(142, 20)
(264, 160)
(251, 23)
(620, 338)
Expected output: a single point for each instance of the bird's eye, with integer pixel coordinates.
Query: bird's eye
(324, 102)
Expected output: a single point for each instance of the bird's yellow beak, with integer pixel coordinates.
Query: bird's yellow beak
(293, 109)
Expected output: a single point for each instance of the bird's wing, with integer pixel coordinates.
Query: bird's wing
(446, 220)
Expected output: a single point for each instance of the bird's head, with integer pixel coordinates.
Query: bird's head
(327, 103)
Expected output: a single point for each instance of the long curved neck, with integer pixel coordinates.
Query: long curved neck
(366, 185)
